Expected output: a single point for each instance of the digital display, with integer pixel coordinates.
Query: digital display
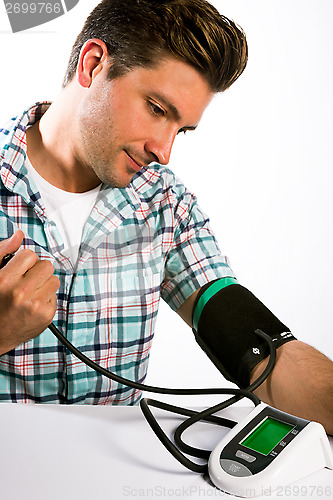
(267, 435)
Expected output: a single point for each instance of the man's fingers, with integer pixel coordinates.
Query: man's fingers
(38, 303)
(20, 264)
(45, 310)
(47, 292)
(38, 274)
(29, 283)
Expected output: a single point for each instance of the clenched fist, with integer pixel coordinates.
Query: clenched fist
(28, 299)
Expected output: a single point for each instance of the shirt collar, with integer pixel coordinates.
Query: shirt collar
(13, 156)
(13, 151)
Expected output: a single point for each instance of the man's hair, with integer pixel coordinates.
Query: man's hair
(140, 33)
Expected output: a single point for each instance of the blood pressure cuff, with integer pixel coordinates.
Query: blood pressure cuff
(225, 317)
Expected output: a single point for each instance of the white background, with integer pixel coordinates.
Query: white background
(259, 163)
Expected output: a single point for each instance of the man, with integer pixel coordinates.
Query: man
(105, 227)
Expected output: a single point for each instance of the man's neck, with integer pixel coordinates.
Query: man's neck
(51, 148)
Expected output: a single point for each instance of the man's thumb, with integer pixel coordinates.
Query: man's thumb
(12, 244)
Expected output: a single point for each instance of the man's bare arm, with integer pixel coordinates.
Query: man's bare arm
(301, 383)
(186, 309)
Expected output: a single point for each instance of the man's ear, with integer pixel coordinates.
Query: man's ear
(92, 57)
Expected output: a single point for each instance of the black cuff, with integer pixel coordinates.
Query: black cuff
(226, 332)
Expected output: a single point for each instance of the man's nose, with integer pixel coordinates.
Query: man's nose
(160, 147)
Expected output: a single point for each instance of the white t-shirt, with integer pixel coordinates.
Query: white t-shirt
(69, 211)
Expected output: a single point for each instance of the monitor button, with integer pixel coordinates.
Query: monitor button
(234, 468)
(245, 456)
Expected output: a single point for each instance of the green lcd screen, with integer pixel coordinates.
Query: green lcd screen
(267, 435)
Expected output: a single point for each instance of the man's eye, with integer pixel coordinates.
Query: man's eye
(182, 131)
(156, 110)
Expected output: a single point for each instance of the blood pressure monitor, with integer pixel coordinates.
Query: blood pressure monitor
(268, 449)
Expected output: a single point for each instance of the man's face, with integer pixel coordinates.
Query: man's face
(129, 122)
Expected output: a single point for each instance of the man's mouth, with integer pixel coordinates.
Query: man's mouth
(135, 165)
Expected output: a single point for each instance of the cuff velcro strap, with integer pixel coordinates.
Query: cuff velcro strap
(225, 322)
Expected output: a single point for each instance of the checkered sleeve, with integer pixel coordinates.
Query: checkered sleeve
(194, 258)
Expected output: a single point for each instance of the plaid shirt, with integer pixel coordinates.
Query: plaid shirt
(139, 243)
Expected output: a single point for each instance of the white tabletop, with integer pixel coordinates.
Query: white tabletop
(51, 452)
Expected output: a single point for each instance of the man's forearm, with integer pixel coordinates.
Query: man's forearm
(301, 383)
